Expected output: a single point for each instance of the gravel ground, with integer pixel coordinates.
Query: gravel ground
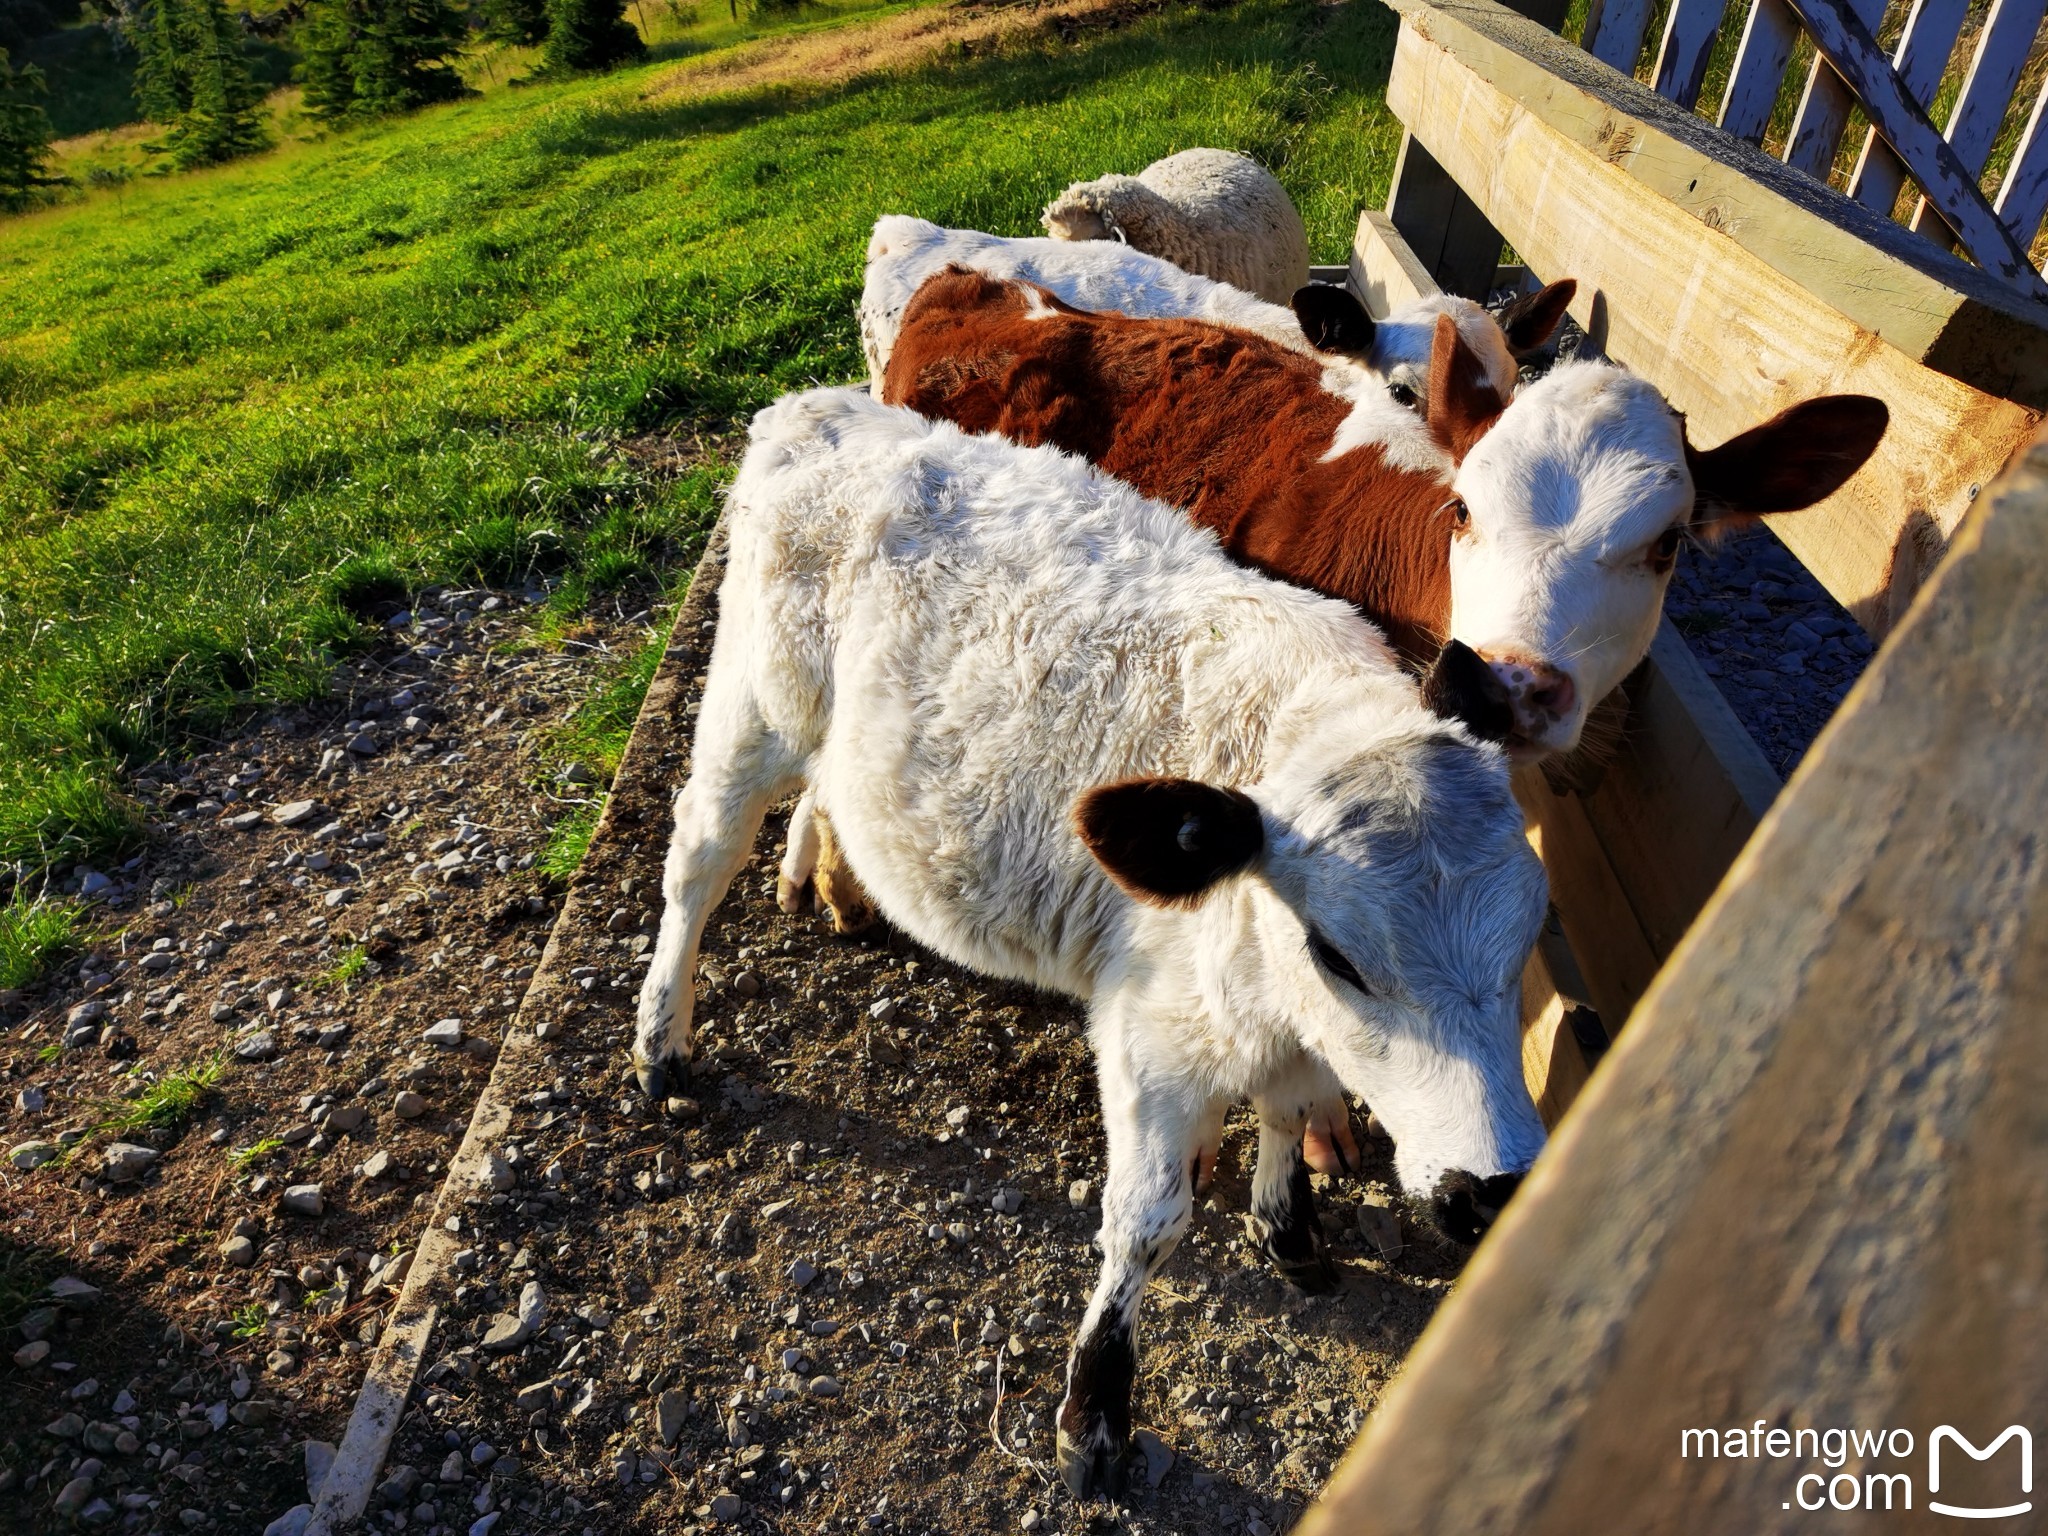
(833, 1289)
(320, 892)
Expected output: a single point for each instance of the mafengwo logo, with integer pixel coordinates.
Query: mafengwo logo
(1993, 1481)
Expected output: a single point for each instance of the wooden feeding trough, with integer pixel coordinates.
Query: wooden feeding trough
(1810, 1184)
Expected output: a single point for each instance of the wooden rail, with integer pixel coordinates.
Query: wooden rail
(1810, 1185)
(1736, 284)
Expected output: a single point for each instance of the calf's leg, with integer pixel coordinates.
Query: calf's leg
(1155, 1142)
(1283, 1219)
(738, 768)
(799, 855)
(839, 891)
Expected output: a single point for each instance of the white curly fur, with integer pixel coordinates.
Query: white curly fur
(1210, 211)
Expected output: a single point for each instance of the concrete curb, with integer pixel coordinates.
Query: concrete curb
(400, 1352)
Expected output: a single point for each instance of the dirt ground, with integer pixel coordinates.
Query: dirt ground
(833, 1289)
(309, 960)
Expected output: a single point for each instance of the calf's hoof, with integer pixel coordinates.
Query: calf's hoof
(1092, 1463)
(1314, 1274)
(794, 897)
(659, 1079)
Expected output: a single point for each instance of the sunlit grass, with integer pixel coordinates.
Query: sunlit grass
(33, 934)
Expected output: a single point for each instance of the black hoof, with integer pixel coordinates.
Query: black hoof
(1094, 1470)
(1317, 1275)
(658, 1079)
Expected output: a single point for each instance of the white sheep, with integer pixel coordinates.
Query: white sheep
(1211, 211)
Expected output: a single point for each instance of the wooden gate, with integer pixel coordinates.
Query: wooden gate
(1810, 1184)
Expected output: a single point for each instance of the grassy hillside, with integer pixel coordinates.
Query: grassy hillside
(235, 404)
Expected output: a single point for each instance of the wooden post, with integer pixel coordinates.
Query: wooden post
(1809, 1187)
(1441, 224)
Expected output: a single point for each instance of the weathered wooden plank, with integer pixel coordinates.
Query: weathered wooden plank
(1553, 1063)
(1987, 91)
(1690, 27)
(1920, 58)
(1729, 289)
(1809, 1186)
(1614, 32)
(1385, 272)
(1824, 108)
(2023, 195)
(1760, 60)
(1895, 115)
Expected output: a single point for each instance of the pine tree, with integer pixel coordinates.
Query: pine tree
(24, 135)
(192, 76)
(590, 34)
(515, 21)
(366, 58)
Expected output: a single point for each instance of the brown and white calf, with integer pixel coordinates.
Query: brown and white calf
(1105, 275)
(1069, 741)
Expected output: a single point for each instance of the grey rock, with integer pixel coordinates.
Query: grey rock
(292, 1522)
(533, 1306)
(260, 1046)
(319, 1462)
(88, 1012)
(72, 1497)
(295, 813)
(1007, 1202)
(30, 1101)
(726, 1508)
(92, 885)
(497, 1174)
(802, 1273)
(247, 821)
(448, 1033)
(483, 1524)
(825, 1386)
(32, 1154)
(1158, 1456)
(669, 1412)
(483, 1453)
(1079, 1193)
(305, 1200)
(380, 1165)
(32, 1354)
(408, 1105)
(505, 1332)
(96, 1514)
(124, 1162)
(398, 1487)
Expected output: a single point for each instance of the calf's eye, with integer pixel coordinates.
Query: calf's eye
(1402, 394)
(1460, 514)
(1331, 959)
(1665, 551)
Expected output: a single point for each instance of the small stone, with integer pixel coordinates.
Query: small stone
(483, 1524)
(380, 1165)
(1079, 1193)
(72, 1497)
(802, 1273)
(497, 1173)
(956, 1117)
(31, 1355)
(66, 1426)
(408, 1105)
(825, 1386)
(483, 1453)
(247, 821)
(398, 1487)
(305, 1200)
(281, 1362)
(292, 1522)
(669, 1412)
(260, 1046)
(296, 813)
(124, 1162)
(1158, 1456)
(747, 983)
(319, 1462)
(1379, 1225)
(883, 1010)
(30, 1101)
(726, 1508)
(535, 1398)
(533, 1306)
(448, 1033)
(1007, 1202)
(32, 1154)
(505, 1332)
(38, 1324)
(90, 1012)
(238, 1251)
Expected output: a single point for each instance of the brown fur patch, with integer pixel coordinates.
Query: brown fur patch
(1228, 425)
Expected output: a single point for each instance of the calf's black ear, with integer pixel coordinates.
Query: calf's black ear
(1167, 841)
(1461, 686)
(1533, 319)
(1332, 319)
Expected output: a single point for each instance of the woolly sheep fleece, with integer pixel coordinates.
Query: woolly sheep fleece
(1208, 211)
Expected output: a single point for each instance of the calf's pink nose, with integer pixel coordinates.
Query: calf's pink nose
(1538, 690)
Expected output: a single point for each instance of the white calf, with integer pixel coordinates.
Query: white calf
(1106, 275)
(1021, 692)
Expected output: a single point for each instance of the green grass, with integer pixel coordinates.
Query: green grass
(34, 933)
(242, 1158)
(238, 405)
(167, 1105)
(350, 964)
(249, 1322)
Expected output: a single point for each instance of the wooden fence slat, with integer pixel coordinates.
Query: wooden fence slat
(1953, 191)
(1824, 109)
(1987, 92)
(1766, 48)
(1689, 32)
(1614, 32)
(1809, 1184)
(1733, 283)
(2023, 195)
(1922, 55)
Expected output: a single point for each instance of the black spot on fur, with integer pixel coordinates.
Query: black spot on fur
(1460, 686)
